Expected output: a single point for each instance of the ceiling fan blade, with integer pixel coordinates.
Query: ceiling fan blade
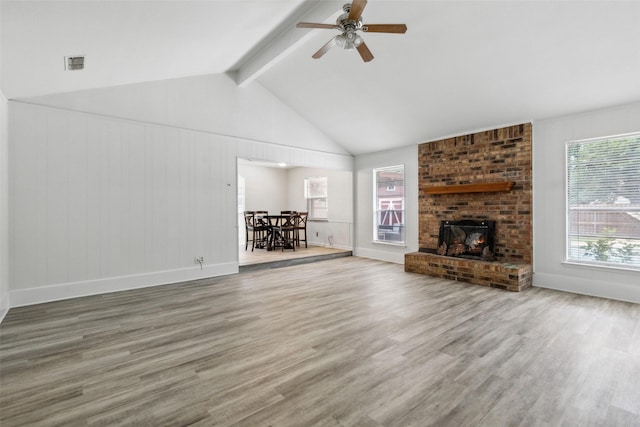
(324, 49)
(357, 6)
(314, 25)
(385, 28)
(364, 52)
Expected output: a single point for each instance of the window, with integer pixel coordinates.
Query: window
(603, 200)
(315, 191)
(388, 197)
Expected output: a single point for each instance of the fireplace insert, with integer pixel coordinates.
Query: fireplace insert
(467, 239)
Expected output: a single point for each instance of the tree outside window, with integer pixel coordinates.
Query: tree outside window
(603, 200)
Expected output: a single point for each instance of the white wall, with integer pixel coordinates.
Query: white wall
(4, 200)
(4, 207)
(549, 213)
(265, 188)
(209, 103)
(364, 215)
(275, 189)
(337, 231)
(100, 204)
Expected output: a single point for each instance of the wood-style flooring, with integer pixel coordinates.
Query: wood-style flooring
(345, 342)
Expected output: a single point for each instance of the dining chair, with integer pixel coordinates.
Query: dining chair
(287, 231)
(300, 224)
(264, 226)
(248, 227)
(258, 231)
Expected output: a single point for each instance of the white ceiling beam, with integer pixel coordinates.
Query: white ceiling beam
(284, 39)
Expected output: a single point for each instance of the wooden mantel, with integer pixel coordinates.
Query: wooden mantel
(486, 187)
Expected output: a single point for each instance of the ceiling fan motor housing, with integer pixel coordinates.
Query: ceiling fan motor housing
(348, 39)
(345, 23)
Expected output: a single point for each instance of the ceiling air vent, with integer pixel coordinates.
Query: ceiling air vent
(72, 63)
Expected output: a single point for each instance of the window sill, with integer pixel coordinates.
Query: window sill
(318, 219)
(387, 243)
(594, 266)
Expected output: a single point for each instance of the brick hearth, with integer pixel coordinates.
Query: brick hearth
(503, 275)
(490, 157)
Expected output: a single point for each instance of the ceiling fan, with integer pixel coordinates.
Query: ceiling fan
(350, 22)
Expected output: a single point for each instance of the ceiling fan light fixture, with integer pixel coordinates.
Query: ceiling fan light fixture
(349, 23)
(358, 41)
(348, 40)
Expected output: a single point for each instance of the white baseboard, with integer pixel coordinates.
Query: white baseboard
(395, 257)
(326, 245)
(595, 288)
(23, 297)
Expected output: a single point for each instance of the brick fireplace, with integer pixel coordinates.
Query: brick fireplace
(485, 176)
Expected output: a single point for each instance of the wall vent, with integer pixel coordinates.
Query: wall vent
(72, 63)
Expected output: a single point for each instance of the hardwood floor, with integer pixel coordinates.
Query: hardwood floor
(345, 342)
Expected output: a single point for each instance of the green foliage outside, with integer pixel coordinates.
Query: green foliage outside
(605, 250)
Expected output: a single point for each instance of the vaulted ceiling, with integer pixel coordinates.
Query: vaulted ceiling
(461, 66)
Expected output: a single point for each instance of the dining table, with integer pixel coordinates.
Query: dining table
(274, 224)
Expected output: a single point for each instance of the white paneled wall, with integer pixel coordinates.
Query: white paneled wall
(100, 204)
(209, 103)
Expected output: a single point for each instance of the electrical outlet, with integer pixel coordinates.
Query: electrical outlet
(198, 260)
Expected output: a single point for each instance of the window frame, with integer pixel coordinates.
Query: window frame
(317, 202)
(398, 225)
(596, 249)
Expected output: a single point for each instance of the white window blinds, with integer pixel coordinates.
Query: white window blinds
(603, 200)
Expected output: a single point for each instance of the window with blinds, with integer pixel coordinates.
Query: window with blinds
(603, 200)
